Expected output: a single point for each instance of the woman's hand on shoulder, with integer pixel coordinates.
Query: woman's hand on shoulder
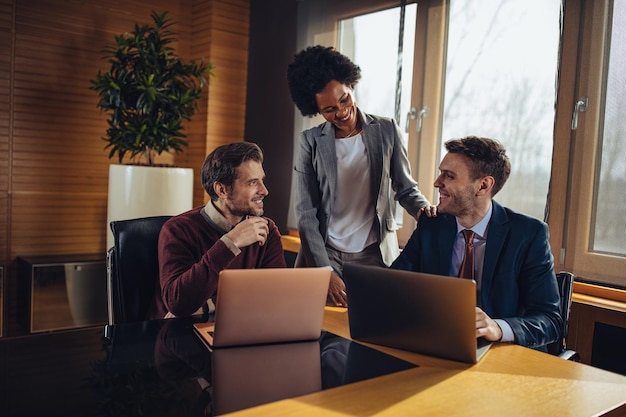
(430, 210)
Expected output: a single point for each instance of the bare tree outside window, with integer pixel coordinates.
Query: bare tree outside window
(500, 83)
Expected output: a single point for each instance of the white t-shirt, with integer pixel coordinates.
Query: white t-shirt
(352, 217)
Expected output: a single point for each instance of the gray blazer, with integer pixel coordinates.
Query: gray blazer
(316, 183)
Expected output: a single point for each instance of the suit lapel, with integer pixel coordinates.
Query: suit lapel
(326, 151)
(446, 244)
(374, 147)
(496, 236)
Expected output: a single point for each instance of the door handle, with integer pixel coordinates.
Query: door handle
(411, 115)
(580, 106)
(414, 114)
(420, 117)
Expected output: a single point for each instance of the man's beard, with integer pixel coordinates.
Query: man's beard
(243, 212)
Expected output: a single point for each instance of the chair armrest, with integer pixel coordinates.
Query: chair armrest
(110, 285)
(570, 355)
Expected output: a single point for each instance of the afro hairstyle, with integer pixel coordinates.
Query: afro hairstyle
(312, 69)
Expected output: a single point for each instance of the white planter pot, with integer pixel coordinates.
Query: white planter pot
(142, 191)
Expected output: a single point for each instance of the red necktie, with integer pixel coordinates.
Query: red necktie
(467, 266)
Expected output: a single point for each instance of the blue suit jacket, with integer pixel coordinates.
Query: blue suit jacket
(518, 280)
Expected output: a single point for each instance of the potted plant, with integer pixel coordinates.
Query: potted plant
(148, 93)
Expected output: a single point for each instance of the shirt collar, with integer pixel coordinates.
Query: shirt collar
(479, 228)
(216, 217)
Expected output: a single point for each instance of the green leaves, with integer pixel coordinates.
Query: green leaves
(148, 91)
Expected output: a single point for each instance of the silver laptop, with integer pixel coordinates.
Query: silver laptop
(268, 305)
(424, 313)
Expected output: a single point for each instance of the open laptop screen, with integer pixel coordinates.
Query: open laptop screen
(269, 305)
(429, 314)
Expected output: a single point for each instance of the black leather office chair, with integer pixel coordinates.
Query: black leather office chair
(565, 281)
(133, 268)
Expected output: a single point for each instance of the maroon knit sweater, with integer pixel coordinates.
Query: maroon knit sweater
(191, 256)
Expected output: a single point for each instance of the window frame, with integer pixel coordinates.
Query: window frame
(573, 166)
(428, 85)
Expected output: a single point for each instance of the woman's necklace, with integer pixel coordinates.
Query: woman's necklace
(354, 131)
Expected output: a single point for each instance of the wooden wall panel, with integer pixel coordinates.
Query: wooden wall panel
(221, 30)
(53, 165)
(6, 51)
(194, 155)
(74, 225)
(59, 168)
(4, 229)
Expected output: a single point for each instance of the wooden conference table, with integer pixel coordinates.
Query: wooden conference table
(152, 368)
(509, 381)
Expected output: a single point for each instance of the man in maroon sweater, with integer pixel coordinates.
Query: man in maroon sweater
(229, 232)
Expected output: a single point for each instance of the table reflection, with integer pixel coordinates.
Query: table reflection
(247, 376)
(153, 368)
(230, 379)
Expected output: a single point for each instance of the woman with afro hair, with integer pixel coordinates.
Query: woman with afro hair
(347, 170)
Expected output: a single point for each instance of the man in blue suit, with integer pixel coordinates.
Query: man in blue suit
(518, 297)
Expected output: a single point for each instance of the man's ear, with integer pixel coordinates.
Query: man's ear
(485, 185)
(220, 189)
